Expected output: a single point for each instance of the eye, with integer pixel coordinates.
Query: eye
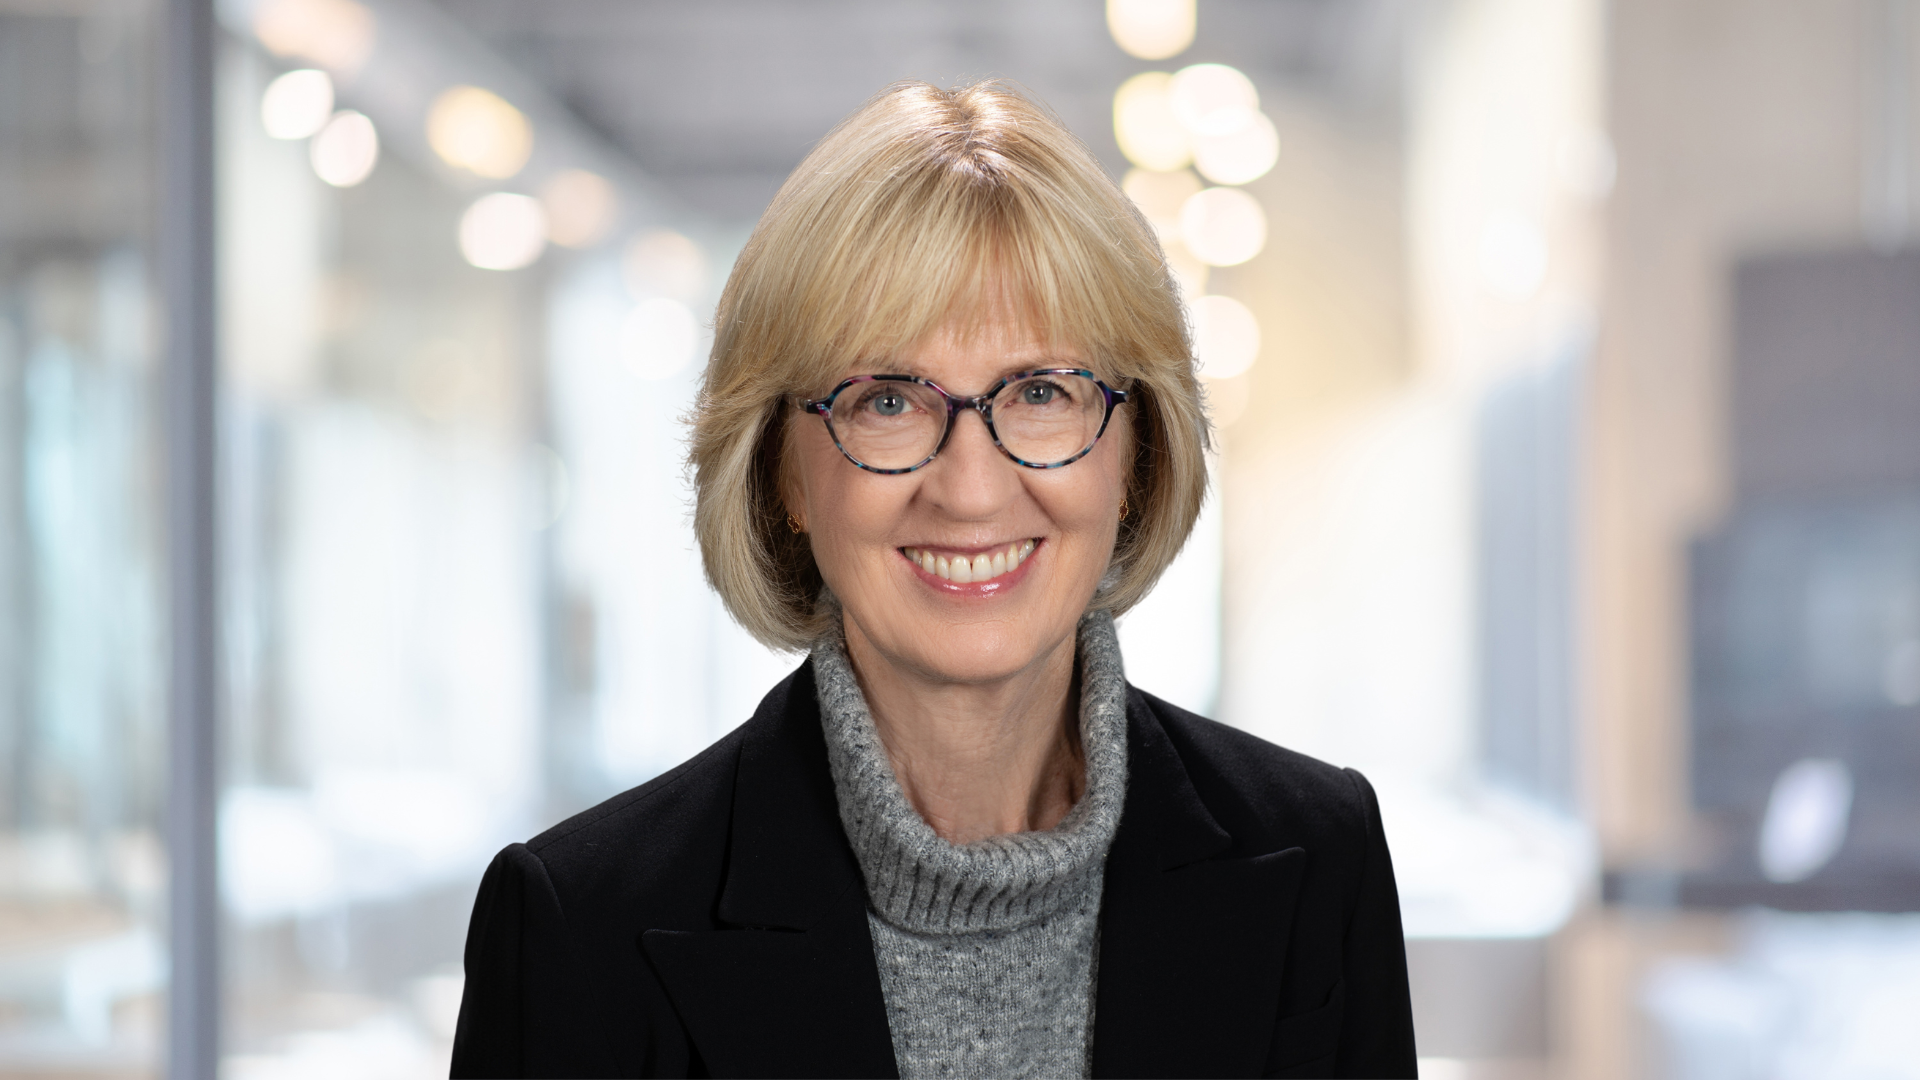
(1038, 393)
(888, 403)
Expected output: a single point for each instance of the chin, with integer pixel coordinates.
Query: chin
(985, 659)
(964, 651)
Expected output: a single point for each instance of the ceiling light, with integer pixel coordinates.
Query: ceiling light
(1145, 125)
(1151, 29)
(480, 131)
(503, 231)
(297, 104)
(581, 207)
(1223, 226)
(1241, 156)
(345, 150)
(1160, 195)
(336, 34)
(1213, 99)
(665, 263)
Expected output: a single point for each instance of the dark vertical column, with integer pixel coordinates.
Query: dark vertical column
(186, 270)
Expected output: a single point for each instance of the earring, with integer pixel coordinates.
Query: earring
(1124, 510)
(793, 524)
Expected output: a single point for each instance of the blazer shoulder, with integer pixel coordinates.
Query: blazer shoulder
(1242, 775)
(654, 851)
(658, 851)
(707, 772)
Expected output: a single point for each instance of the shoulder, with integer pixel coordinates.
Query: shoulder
(658, 850)
(676, 799)
(1256, 788)
(654, 850)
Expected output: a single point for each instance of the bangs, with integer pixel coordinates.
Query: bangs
(949, 228)
(969, 272)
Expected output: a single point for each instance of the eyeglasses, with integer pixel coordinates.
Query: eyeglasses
(898, 423)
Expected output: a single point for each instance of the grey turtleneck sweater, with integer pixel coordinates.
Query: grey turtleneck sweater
(987, 951)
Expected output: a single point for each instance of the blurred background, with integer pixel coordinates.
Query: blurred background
(1566, 355)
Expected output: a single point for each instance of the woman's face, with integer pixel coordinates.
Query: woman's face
(872, 534)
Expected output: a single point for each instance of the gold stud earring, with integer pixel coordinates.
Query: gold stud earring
(1124, 510)
(793, 524)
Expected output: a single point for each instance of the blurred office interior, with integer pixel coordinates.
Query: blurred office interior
(1565, 356)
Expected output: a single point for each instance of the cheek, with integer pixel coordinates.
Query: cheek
(842, 504)
(1084, 498)
(822, 479)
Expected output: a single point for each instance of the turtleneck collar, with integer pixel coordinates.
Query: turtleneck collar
(921, 883)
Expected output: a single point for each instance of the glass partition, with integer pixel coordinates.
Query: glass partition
(462, 599)
(82, 868)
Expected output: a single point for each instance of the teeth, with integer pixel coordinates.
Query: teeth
(983, 567)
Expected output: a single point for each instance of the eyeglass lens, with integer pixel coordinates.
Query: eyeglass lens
(1041, 419)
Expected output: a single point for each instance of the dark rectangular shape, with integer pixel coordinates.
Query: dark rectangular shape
(1825, 388)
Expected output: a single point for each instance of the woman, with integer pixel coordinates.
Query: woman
(949, 430)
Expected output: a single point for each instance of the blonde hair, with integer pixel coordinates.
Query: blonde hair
(923, 207)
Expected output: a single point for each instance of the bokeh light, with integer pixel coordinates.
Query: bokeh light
(503, 231)
(480, 131)
(1213, 99)
(1152, 29)
(297, 104)
(658, 338)
(1226, 337)
(1160, 195)
(345, 151)
(336, 34)
(665, 263)
(1240, 156)
(581, 208)
(1189, 273)
(1513, 255)
(1805, 824)
(1223, 226)
(1144, 123)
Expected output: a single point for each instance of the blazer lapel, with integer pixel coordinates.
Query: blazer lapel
(1193, 932)
(789, 986)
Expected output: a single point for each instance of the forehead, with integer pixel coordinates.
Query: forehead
(980, 345)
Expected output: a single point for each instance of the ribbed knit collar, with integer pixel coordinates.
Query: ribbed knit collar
(920, 882)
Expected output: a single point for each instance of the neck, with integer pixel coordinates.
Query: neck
(978, 759)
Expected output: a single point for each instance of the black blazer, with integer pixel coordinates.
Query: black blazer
(713, 920)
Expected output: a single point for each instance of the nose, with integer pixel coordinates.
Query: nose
(971, 479)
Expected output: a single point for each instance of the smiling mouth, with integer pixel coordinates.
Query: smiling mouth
(966, 570)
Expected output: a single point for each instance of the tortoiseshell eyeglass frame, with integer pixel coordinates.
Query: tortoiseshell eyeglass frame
(982, 404)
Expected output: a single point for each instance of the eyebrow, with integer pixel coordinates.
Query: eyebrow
(892, 366)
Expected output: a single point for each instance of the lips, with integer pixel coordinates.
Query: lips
(964, 569)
